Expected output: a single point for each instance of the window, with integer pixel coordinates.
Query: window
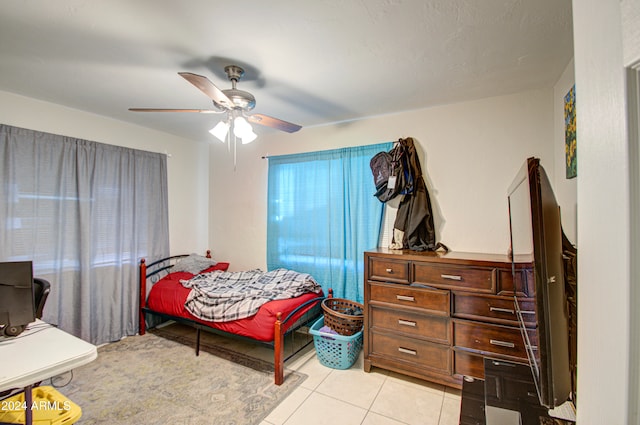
(84, 213)
(323, 215)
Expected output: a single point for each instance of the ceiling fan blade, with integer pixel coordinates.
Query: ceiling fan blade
(201, 111)
(208, 88)
(274, 123)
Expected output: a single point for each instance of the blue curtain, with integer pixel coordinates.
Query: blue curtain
(322, 215)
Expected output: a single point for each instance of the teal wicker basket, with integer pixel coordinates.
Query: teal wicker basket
(335, 351)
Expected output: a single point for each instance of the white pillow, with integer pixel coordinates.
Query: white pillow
(193, 264)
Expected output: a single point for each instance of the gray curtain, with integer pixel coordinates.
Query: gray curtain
(84, 213)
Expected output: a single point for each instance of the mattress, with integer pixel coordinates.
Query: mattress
(168, 296)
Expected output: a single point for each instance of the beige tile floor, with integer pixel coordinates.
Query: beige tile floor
(354, 397)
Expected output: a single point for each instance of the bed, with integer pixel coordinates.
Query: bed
(163, 295)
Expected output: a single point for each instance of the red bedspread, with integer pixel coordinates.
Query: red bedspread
(168, 296)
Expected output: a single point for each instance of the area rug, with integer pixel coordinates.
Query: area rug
(152, 379)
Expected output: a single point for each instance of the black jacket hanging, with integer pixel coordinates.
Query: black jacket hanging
(414, 216)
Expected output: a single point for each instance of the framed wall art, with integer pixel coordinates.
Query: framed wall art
(570, 133)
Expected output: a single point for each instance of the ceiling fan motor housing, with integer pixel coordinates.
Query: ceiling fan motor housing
(241, 99)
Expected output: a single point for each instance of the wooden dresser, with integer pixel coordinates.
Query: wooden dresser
(436, 316)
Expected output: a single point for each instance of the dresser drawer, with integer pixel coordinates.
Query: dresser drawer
(413, 352)
(486, 338)
(409, 323)
(468, 364)
(387, 270)
(454, 277)
(491, 309)
(521, 284)
(527, 310)
(432, 300)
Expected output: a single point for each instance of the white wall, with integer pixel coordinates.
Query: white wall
(187, 167)
(564, 189)
(603, 213)
(470, 153)
(630, 31)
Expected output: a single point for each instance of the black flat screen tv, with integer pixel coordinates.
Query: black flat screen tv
(536, 236)
(17, 308)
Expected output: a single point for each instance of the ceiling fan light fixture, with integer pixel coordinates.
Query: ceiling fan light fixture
(249, 137)
(220, 131)
(241, 127)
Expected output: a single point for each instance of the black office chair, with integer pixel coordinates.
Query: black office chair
(41, 289)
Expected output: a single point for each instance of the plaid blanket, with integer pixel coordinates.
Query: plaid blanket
(222, 296)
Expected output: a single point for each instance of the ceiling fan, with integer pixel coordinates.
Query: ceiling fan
(234, 102)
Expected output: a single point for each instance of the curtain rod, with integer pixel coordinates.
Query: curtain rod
(269, 156)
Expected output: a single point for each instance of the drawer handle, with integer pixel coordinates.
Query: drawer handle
(407, 351)
(451, 277)
(389, 271)
(502, 364)
(406, 323)
(502, 343)
(527, 312)
(501, 310)
(405, 298)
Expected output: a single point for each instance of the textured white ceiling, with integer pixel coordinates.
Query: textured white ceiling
(307, 62)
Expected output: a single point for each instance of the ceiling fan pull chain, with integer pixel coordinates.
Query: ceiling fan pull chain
(235, 140)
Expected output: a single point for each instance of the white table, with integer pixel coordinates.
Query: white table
(40, 352)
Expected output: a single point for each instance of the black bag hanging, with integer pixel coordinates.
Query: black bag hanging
(392, 173)
(381, 168)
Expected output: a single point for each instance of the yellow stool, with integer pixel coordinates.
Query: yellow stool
(49, 407)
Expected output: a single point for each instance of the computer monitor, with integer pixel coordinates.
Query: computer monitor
(17, 308)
